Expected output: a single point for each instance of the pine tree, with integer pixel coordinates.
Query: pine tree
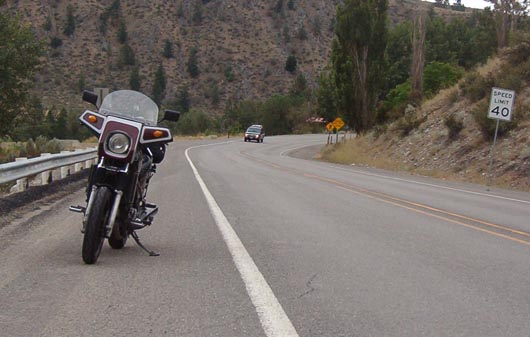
(168, 49)
(70, 21)
(192, 65)
(159, 85)
(290, 63)
(122, 32)
(134, 79)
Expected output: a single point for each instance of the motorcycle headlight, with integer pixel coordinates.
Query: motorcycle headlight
(119, 143)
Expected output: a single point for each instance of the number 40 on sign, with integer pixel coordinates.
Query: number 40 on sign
(501, 104)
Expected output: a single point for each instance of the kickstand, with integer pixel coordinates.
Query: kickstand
(137, 239)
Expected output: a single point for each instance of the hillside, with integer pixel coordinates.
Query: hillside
(429, 150)
(242, 45)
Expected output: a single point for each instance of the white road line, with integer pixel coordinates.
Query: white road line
(270, 312)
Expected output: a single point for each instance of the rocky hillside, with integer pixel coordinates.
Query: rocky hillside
(242, 45)
(429, 149)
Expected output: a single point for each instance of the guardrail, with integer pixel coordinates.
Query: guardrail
(50, 167)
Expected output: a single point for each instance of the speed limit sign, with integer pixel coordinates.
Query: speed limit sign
(501, 104)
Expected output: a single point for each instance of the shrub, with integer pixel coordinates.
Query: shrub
(475, 87)
(454, 126)
(409, 121)
(127, 55)
(229, 74)
(487, 125)
(438, 76)
(290, 63)
(395, 102)
(56, 42)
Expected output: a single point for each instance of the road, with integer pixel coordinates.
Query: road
(257, 242)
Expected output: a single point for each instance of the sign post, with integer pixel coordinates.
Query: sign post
(338, 123)
(329, 126)
(501, 104)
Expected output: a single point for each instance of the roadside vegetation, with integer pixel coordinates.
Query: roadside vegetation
(378, 78)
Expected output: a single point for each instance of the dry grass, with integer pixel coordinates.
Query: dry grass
(429, 151)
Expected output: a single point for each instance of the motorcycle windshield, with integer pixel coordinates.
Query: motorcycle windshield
(131, 105)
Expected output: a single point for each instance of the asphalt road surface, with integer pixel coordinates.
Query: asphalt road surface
(257, 241)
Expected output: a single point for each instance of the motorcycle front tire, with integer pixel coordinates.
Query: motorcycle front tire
(118, 238)
(95, 226)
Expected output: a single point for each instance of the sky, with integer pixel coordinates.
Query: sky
(476, 3)
(471, 3)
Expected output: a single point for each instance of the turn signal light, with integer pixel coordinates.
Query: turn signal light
(92, 119)
(158, 134)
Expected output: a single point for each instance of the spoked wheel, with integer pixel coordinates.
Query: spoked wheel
(97, 219)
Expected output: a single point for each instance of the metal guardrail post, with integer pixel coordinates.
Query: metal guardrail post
(22, 184)
(46, 176)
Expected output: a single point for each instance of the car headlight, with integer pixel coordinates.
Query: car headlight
(119, 143)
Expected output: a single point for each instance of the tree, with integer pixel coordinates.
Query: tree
(19, 59)
(59, 128)
(183, 100)
(122, 32)
(134, 79)
(159, 85)
(278, 7)
(398, 53)
(197, 13)
(358, 59)
(506, 14)
(192, 65)
(168, 49)
(418, 55)
(69, 28)
(290, 63)
(300, 87)
(325, 96)
(30, 123)
(127, 55)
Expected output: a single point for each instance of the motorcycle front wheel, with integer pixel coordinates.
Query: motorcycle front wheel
(95, 226)
(118, 237)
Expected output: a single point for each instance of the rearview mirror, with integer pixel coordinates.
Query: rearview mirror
(171, 115)
(90, 97)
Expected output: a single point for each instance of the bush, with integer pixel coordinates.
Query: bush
(438, 76)
(475, 87)
(454, 126)
(290, 63)
(409, 121)
(487, 125)
(395, 102)
(29, 149)
(127, 55)
(56, 42)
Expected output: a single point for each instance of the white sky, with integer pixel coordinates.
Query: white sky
(472, 3)
(477, 3)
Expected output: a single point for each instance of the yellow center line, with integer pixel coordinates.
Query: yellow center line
(399, 202)
(422, 206)
(437, 216)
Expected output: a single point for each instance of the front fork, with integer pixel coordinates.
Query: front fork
(113, 214)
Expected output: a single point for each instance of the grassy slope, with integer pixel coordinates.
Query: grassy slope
(428, 150)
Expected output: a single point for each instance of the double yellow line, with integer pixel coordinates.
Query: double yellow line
(458, 219)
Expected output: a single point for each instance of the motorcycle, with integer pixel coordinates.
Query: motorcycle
(129, 148)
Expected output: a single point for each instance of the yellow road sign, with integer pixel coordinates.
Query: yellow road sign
(338, 123)
(329, 126)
